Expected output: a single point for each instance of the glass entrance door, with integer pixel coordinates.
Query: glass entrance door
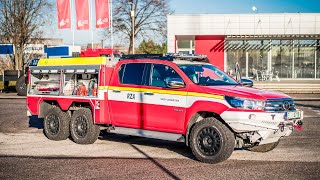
(251, 55)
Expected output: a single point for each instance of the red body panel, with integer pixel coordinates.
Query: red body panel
(163, 118)
(244, 92)
(205, 106)
(63, 102)
(123, 113)
(127, 114)
(32, 103)
(104, 115)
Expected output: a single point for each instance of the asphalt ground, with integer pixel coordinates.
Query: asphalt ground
(25, 153)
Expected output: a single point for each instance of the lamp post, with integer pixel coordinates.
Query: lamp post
(132, 20)
(254, 9)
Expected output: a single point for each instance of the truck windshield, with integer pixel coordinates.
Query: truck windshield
(206, 75)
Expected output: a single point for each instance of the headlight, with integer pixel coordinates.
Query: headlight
(245, 103)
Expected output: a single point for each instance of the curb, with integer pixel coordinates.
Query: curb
(13, 97)
(306, 99)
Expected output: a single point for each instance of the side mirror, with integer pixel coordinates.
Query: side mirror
(175, 83)
(246, 82)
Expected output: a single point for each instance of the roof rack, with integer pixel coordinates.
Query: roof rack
(167, 57)
(146, 56)
(189, 57)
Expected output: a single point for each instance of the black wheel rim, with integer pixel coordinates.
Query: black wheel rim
(81, 126)
(53, 124)
(209, 141)
(23, 86)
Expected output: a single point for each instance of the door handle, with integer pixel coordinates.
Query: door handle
(148, 93)
(116, 91)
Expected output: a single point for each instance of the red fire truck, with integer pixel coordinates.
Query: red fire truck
(184, 100)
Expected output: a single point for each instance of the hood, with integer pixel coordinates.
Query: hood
(245, 92)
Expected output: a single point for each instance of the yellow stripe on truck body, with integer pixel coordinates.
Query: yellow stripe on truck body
(161, 97)
(72, 61)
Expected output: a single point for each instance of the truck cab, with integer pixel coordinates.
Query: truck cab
(182, 99)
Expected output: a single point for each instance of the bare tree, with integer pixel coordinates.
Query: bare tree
(150, 18)
(21, 23)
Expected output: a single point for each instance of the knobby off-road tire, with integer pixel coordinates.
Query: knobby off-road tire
(21, 86)
(265, 147)
(211, 141)
(82, 128)
(56, 124)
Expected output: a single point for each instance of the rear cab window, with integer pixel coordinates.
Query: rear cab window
(132, 73)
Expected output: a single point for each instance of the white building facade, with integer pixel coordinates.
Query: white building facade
(284, 44)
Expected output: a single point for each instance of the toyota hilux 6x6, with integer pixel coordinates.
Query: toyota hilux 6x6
(180, 99)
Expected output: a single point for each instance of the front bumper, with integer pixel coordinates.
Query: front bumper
(244, 121)
(264, 127)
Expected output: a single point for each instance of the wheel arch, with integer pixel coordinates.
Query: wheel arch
(44, 106)
(64, 105)
(198, 116)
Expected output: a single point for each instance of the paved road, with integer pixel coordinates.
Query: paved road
(26, 154)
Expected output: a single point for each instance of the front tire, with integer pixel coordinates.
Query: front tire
(56, 124)
(211, 141)
(265, 147)
(82, 128)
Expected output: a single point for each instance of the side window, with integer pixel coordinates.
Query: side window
(160, 74)
(131, 73)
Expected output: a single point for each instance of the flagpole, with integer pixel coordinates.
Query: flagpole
(72, 24)
(111, 27)
(91, 19)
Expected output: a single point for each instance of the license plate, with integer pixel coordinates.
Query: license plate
(293, 115)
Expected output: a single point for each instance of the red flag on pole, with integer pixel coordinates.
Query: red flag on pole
(82, 12)
(102, 13)
(63, 8)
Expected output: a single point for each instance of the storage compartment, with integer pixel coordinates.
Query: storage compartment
(70, 82)
(45, 83)
(80, 84)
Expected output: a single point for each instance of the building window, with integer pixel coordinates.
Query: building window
(281, 51)
(186, 46)
(183, 44)
(236, 54)
(258, 58)
(304, 59)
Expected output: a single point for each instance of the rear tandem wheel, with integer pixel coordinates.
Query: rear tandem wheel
(56, 124)
(82, 128)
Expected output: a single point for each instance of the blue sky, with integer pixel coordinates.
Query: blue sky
(204, 7)
(244, 6)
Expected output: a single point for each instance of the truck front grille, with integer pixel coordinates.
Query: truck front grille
(278, 105)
